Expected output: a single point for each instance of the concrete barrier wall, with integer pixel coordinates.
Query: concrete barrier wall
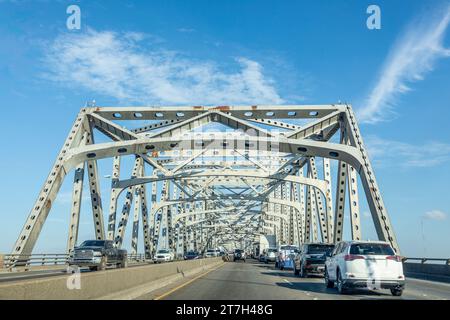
(98, 284)
(437, 272)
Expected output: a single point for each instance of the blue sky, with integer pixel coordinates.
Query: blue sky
(250, 52)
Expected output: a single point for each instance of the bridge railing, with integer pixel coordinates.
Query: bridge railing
(9, 261)
(43, 259)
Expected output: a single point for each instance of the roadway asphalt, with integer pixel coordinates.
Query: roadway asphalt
(257, 281)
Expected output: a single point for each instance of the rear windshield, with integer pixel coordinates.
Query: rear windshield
(372, 249)
(317, 248)
(211, 250)
(237, 251)
(293, 248)
(93, 243)
(163, 251)
(272, 250)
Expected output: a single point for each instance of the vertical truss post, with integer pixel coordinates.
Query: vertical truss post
(145, 217)
(136, 210)
(302, 221)
(340, 193)
(126, 208)
(113, 202)
(354, 203)
(77, 196)
(153, 213)
(321, 206)
(330, 218)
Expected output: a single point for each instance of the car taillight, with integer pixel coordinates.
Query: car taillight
(395, 258)
(351, 257)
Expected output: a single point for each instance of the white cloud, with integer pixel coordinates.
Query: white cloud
(437, 215)
(120, 66)
(388, 152)
(410, 59)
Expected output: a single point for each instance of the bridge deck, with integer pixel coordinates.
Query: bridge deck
(254, 280)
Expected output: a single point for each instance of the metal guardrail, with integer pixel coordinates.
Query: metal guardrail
(45, 259)
(424, 260)
(48, 259)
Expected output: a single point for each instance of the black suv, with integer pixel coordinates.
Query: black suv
(238, 255)
(311, 258)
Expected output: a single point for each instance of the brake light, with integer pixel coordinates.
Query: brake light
(351, 257)
(395, 258)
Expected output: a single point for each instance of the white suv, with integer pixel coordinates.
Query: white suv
(164, 255)
(364, 264)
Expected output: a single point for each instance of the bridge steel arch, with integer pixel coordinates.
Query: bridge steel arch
(279, 170)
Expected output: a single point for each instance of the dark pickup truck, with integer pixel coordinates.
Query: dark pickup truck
(97, 254)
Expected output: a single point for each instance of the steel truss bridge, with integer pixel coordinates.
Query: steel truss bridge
(191, 189)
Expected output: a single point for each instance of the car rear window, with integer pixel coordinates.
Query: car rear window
(317, 248)
(372, 249)
(93, 243)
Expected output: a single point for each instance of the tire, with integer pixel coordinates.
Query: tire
(328, 282)
(296, 271)
(102, 265)
(339, 284)
(93, 268)
(276, 264)
(302, 272)
(124, 263)
(396, 292)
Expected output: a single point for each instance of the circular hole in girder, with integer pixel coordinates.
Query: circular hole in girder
(334, 154)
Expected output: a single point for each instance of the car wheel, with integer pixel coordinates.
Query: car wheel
(296, 271)
(328, 282)
(397, 292)
(124, 263)
(102, 265)
(93, 268)
(339, 283)
(302, 272)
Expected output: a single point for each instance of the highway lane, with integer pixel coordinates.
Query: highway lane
(257, 281)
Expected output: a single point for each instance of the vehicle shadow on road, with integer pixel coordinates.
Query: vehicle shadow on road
(317, 287)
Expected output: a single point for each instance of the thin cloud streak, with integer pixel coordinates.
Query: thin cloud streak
(125, 67)
(414, 55)
(395, 153)
(436, 215)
